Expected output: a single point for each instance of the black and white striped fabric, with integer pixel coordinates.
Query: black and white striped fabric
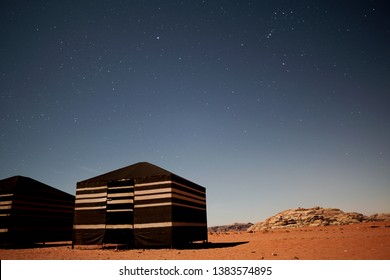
(31, 211)
(140, 205)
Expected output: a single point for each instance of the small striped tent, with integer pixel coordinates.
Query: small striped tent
(31, 211)
(141, 205)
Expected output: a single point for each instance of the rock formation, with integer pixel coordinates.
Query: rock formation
(229, 228)
(316, 216)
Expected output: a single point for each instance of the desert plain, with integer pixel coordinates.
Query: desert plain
(363, 241)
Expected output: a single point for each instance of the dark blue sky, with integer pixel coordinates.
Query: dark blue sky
(268, 104)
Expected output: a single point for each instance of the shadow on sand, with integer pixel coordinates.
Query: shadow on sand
(209, 245)
(32, 245)
(191, 246)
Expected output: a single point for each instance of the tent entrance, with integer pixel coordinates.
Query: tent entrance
(120, 213)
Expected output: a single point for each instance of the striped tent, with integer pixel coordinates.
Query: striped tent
(31, 211)
(140, 205)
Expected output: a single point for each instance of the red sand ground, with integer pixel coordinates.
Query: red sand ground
(365, 241)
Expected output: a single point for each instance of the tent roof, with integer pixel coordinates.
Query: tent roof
(11, 182)
(19, 181)
(22, 183)
(134, 171)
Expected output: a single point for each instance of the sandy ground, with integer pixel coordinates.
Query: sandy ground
(366, 241)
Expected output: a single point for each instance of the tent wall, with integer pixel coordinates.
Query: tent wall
(104, 213)
(152, 212)
(31, 211)
(167, 212)
(90, 214)
(119, 216)
(6, 196)
(122, 208)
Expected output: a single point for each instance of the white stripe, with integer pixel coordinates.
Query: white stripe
(169, 224)
(3, 229)
(120, 201)
(90, 189)
(103, 226)
(119, 226)
(80, 201)
(9, 202)
(98, 226)
(168, 204)
(129, 194)
(90, 208)
(90, 195)
(120, 210)
(5, 207)
(5, 195)
(189, 194)
(153, 225)
(153, 205)
(153, 184)
(121, 187)
(5, 215)
(153, 196)
(164, 190)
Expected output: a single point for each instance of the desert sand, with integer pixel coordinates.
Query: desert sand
(363, 241)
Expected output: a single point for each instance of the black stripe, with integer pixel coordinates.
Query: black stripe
(90, 217)
(183, 214)
(153, 187)
(47, 207)
(149, 201)
(41, 222)
(120, 206)
(119, 218)
(29, 209)
(118, 183)
(5, 221)
(155, 214)
(42, 200)
(84, 185)
(103, 191)
(127, 190)
(92, 204)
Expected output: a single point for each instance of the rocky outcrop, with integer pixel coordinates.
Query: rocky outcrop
(382, 217)
(229, 228)
(316, 216)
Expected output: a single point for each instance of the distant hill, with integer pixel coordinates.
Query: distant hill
(228, 228)
(316, 216)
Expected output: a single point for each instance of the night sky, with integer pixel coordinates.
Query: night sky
(270, 105)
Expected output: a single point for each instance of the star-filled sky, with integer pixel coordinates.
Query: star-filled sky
(270, 105)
